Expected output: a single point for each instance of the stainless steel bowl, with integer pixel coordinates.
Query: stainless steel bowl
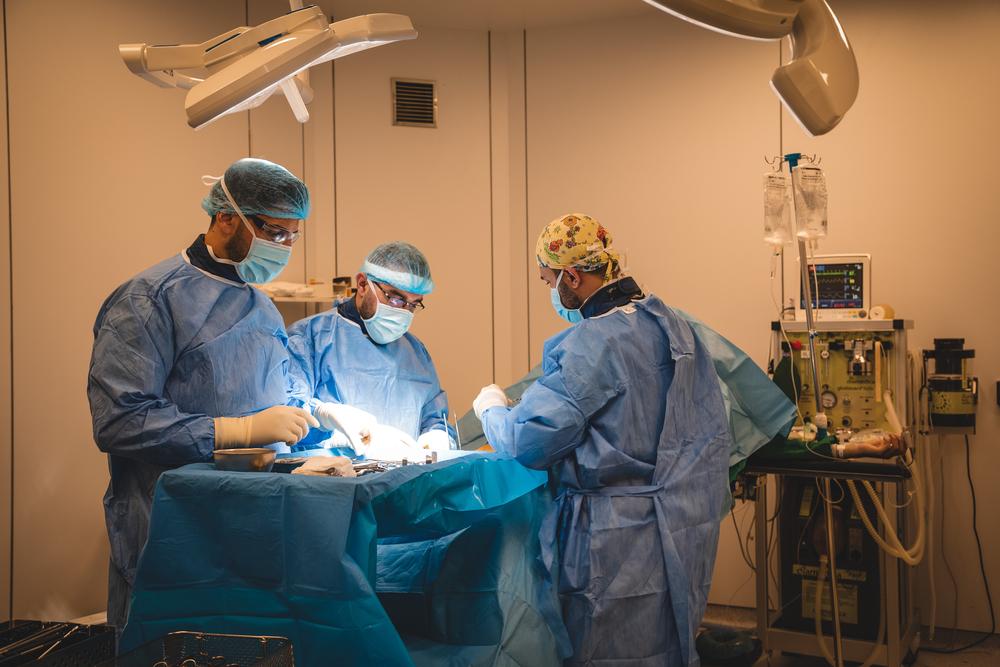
(244, 460)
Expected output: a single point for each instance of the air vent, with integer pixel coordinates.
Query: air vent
(413, 103)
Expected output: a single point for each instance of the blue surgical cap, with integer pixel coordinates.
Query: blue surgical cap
(400, 265)
(260, 187)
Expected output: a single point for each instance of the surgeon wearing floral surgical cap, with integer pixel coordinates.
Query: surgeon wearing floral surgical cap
(636, 413)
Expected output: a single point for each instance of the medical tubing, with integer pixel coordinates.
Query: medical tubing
(926, 454)
(894, 546)
(925, 458)
(890, 414)
(881, 627)
(818, 608)
(878, 371)
(910, 556)
(817, 618)
(982, 564)
(838, 637)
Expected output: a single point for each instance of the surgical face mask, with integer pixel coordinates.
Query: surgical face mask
(265, 259)
(571, 315)
(388, 323)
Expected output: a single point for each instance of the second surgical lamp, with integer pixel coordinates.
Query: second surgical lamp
(820, 82)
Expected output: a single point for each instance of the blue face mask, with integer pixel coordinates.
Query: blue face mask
(388, 323)
(571, 315)
(265, 259)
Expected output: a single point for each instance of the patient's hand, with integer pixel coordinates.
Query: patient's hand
(870, 443)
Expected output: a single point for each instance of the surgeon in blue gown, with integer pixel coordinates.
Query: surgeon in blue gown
(630, 414)
(188, 357)
(357, 366)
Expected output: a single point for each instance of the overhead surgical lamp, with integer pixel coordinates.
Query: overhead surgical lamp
(820, 83)
(241, 68)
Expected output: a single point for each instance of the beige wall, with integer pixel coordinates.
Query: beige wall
(906, 171)
(107, 163)
(430, 187)
(5, 351)
(105, 182)
(659, 128)
(653, 125)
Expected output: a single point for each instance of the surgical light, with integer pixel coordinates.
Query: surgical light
(820, 82)
(242, 68)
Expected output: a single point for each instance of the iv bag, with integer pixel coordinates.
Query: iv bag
(777, 209)
(810, 202)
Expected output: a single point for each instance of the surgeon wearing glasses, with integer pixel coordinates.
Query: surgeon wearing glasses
(357, 366)
(189, 358)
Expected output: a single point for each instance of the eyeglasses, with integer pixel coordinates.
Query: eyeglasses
(396, 301)
(274, 232)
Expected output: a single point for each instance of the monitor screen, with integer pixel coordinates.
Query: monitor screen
(841, 285)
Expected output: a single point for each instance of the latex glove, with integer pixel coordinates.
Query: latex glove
(326, 466)
(490, 396)
(281, 423)
(353, 422)
(388, 443)
(436, 439)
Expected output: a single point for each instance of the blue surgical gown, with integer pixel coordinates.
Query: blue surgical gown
(758, 409)
(333, 360)
(174, 347)
(630, 415)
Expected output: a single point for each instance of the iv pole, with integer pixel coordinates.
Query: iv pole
(793, 163)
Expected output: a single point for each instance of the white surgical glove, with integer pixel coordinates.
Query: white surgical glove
(436, 439)
(490, 396)
(388, 443)
(353, 422)
(281, 423)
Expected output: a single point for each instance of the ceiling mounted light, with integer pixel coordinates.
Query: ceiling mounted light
(820, 82)
(241, 68)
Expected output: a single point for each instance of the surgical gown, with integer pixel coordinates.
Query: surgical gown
(630, 414)
(333, 360)
(758, 409)
(174, 347)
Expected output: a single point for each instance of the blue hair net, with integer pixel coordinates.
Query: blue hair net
(400, 265)
(260, 187)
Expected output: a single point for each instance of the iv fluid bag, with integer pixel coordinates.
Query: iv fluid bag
(810, 202)
(777, 208)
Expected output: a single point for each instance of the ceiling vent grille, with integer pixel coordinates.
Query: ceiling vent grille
(413, 103)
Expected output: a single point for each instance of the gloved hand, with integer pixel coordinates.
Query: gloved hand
(326, 466)
(388, 443)
(280, 423)
(353, 422)
(436, 439)
(490, 396)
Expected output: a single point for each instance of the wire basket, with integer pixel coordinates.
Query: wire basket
(200, 649)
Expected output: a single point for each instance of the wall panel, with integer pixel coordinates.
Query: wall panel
(429, 187)
(658, 129)
(6, 413)
(105, 183)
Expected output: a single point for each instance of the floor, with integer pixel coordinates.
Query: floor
(987, 653)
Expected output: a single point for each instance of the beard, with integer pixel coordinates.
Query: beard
(237, 247)
(569, 299)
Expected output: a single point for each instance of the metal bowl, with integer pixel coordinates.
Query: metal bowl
(244, 460)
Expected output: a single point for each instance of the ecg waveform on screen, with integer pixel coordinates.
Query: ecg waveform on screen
(836, 285)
